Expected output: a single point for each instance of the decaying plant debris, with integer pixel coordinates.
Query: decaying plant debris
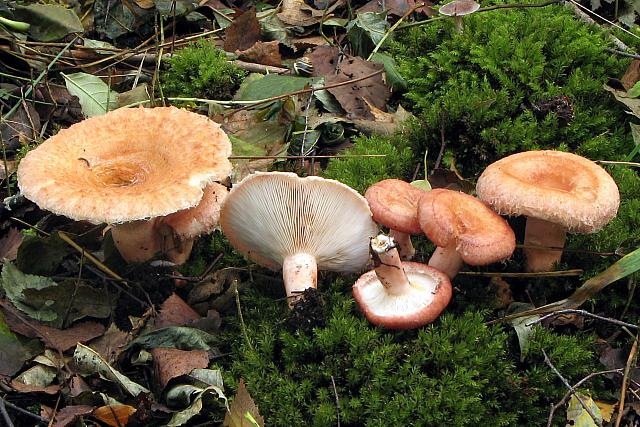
(198, 331)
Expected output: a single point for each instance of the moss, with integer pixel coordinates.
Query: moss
(361, 172)
(201, 71)
(457, 371)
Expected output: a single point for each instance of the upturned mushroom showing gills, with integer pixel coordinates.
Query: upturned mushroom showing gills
(400, 295)
(394, 204)
(128, 168)
(299, 225)
(464, 229)
(558, 192)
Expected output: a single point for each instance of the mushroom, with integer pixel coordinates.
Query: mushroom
(464, 229)
(394, 204)
(400, 295)
(129, 168)
(557, 191)
(299, 225)
(457, 9)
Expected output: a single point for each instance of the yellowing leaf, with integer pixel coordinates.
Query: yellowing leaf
(243, 411)
(578, 416)
(606, 410)
(114, 415)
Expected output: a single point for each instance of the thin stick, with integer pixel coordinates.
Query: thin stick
(559, 273)
(571, 389)
(5, 415)
(240, 317)
(335, 393)
(89, 256)
(582, 313)
(393, 28)
(621, 53)
(625, 380)
(334, 156)
(23, 411)
(555, 407)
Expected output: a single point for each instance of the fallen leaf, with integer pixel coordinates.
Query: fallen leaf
(21, 128)
(169, 363)
(383, 123)
(632, 75)
(90, 363)
(366, 31)
(445, 178)
(632, 103)
(94, 95)
(502, 290)
(606, 409)
(242, 405)
(298, 13)
(15, 283)
(192, 395)
(271, 85)
(267, 53)
(13, 355)
(352, 96)
(36, 379)
(520, 324)
(9, 244)
(48, 22)
(578, 416)
(175, 312)
(114, 415)
(179, 337)
(243, 32)
(325, 60)
(69, 414)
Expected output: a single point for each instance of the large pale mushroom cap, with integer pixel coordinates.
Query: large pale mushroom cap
(423, 301)
(271, 215)
(451, 218)
(126, 165)
(554, 186)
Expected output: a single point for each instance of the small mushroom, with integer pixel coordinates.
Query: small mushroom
(400, 295)
(457, 9)
(128, 168)
(464, 229)
(558, 192)
(299, 225)
(394, 204)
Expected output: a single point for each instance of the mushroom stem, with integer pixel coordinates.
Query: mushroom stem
(137, 241)
(388, 265)
(447, 260)
(300, 272)
(539, 232)
(404, 245)
(459, 25)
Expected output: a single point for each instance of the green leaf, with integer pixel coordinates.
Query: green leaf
(366, 31)
(523, 331)
(49, 22)
(272, 85)
(394, 79)
(94, 94)
(634, 92)
(180, 337)
(90, 363)
(422, 184)
(41, 255)
(625, 266)
(12, 353)
(15, 283)
(183, 392)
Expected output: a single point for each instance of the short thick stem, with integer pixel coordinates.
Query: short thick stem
(447, 260)
(404, 245)
(543, 233)
(137, 241)
(388, 265)
(300, 272)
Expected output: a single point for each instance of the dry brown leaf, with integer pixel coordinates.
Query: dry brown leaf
(145, 4)
(325, 60)
(59, 339)
(383, 123)
(69, 414)
(449, 179)
(355, 98)
(266, 53)
(23, 128)
(632, 75)
(502, 291)
(304, 43)
(26, 388)
(298, 13)
(175, 312)
(9, 243)
(241, 405)
(114, 415)
(243, 32)
(169, 363)
(111, 343)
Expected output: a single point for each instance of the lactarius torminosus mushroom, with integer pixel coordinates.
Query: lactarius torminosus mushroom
(394, 204)
(464, 229)
(129, 168)
(400, 295)
(558, 192)
(299, 225)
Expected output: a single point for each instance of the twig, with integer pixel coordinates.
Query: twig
(625, 380)
(571, 389)
(333, 156)
(621, 53)
(555, 407)
(582, 313)
(89, 256)
(563, 249)
(393, 28)
(5, 415)
(559, 273)
(23, 411)
(240, 317)
(259, 68)
(335, 393)
(589, 11)
(443, 143)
